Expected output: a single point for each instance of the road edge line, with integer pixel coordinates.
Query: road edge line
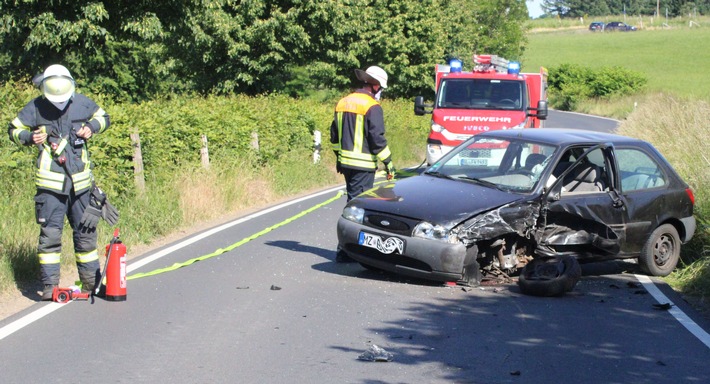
(678, 314)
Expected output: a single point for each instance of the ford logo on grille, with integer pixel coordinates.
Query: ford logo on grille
(385, 223)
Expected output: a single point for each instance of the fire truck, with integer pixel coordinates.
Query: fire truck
(494, 95)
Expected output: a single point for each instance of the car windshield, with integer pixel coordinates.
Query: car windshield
(480, 94)
(508, 165)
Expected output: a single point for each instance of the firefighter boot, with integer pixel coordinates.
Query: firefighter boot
(89, 279)
(48, 291)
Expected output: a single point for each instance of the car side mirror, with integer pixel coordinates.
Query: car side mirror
(420, 108)
(542, 109)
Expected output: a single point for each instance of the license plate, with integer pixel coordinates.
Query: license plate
(383, 244)
(474, 161)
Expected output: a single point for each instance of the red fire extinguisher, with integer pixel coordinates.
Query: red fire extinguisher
(114, 270)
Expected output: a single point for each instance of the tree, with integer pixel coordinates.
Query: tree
(136, 50)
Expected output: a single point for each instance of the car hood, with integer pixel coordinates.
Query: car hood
(436, 200)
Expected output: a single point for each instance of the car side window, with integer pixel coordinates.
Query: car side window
(588, 176)
(638, 170)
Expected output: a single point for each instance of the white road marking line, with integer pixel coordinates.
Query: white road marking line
(679, 315)
(51, 307)
(28, 319)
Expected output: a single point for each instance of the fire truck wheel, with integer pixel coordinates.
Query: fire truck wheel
(549, 276)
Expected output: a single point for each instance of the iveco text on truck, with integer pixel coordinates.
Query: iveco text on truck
(494, 95)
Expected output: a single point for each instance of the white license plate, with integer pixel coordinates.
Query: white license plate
(474, 161)
(383, 244)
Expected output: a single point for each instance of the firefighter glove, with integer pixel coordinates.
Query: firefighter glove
(90, 218)
(338, 167)
(389, 167)
(110, 214)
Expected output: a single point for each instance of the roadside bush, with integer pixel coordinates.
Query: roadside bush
(571, 84)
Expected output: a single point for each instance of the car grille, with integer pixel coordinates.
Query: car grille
(391, 224)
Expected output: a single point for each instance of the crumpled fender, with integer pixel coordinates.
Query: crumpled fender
(517, 217)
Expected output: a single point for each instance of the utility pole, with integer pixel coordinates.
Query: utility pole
(658, 8)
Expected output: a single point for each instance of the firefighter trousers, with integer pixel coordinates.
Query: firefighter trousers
(50, 210)
(357, 182)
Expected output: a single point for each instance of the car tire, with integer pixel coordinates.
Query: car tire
(549, 276)
(660, 255)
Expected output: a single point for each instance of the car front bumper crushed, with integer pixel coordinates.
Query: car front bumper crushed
(422, 258)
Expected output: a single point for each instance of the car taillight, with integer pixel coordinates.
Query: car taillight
(690, 195)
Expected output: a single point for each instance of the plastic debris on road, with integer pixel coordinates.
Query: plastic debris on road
(375, 353)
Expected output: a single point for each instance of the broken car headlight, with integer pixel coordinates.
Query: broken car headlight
(430, 231)
(354, 213)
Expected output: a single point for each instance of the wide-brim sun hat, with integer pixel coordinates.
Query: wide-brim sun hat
(373, 75)
(57, 84)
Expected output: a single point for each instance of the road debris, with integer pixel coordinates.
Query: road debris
(375, 353)
(663, 307)
(275, 288)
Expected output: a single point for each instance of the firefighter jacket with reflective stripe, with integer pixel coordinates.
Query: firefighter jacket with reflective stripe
(63, 162)
(357, 134)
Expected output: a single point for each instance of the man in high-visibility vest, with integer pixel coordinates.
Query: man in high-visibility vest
(59, 123)
(357, 135)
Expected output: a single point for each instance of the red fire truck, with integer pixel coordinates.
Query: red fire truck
(495, 95)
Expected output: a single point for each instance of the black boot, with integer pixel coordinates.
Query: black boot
(48, 291)
(89, 280)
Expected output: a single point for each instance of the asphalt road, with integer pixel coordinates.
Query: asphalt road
(277, 309)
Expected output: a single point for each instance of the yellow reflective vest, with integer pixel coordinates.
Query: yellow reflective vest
(357, 133)
(62, 142)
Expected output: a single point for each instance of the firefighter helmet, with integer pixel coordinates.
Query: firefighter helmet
(373, 75)
(57, 84)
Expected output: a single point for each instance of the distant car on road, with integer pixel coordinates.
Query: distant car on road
(596, 26)
(504, 198)
(619, 26)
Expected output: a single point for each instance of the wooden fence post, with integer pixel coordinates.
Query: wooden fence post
(204, 153)
(138, 175)
(255, 140)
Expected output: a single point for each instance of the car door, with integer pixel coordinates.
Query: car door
(643, 185)
(582, 212)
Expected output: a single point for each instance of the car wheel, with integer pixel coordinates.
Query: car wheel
(661, 252)
(549, 276)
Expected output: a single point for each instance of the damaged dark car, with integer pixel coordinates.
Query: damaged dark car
(505, 198)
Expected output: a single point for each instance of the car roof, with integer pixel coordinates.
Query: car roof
(562, 136)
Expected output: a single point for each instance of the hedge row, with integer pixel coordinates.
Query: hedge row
(170, 132)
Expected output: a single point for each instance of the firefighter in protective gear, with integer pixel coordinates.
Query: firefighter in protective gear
(59, 123)
(357, 135)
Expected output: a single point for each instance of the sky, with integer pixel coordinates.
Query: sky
(534, 9)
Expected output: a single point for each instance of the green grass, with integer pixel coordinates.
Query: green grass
(673, 60)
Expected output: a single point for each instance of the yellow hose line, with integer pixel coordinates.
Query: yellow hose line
(237, 244)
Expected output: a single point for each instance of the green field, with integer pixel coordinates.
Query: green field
(674, 60)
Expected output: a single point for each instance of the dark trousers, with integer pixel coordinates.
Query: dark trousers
(357, 182)
(50, 209)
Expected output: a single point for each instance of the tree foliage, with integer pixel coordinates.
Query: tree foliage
(136, 50)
